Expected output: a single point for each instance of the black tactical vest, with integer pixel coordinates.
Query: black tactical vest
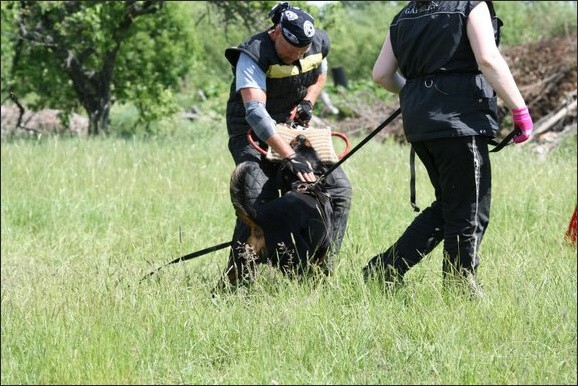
(286, 84)
(445, 94)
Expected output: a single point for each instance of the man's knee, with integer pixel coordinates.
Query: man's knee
(339, 188)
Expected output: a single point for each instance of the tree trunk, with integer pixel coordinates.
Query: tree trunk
(98, 118)
(93, 92)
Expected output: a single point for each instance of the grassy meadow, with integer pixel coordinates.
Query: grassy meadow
(84, 219)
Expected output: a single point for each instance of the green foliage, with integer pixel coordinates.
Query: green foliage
(357, 31)
(210, 77)
(160, 53)
(97, 53)
(7, 42)
(530, 21)
(35, 69)
(248, 14)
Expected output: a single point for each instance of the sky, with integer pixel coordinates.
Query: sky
(319, 3)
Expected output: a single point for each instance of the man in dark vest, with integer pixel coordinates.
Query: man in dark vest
(278, 76)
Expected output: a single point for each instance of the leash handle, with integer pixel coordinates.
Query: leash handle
(347, 144)
(505, 142)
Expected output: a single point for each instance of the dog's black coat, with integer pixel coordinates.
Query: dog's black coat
(293, 230)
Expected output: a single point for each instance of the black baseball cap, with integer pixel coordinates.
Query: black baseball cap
(297, 26)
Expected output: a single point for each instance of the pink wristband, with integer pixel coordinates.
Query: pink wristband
(522, 118)
(520, 111)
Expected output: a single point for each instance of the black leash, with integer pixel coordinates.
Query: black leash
(359, 145)
(505, 142)
(190, 256)
(327, 172)
(497, 147)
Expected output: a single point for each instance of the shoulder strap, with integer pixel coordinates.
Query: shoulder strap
(497, 23)
(412, 179)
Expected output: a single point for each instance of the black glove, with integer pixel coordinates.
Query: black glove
(304, 112)
(297, 163)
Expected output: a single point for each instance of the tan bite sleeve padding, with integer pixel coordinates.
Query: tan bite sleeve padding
(321, 140)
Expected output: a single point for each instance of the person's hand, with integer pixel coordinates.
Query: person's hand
(299, 166)
(304, 112)
(523, 122)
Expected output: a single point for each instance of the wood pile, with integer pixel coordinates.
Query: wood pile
(546, 74)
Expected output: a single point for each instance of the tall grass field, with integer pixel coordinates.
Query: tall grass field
(83, 220)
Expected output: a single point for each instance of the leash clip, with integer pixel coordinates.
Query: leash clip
(296, 126)
(301, 187)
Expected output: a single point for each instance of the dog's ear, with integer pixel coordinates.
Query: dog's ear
(307, 144)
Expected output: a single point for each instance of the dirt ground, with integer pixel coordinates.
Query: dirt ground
(545, 73)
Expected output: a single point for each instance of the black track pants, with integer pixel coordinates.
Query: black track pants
(459, 170)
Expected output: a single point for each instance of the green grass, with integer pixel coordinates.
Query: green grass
(84, 220)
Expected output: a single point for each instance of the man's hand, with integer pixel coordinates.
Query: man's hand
(300, 167)
(304, 112)
(522, 121)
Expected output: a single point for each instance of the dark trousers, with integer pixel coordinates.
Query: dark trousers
(263, 189)
(459, 170)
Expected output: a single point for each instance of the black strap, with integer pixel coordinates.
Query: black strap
(360, 144)
(497, 23)
(191, 255)
(498, 146)
(412, 179)
(505, 142)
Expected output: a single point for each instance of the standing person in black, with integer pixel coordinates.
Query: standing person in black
(278, 76)
(442, 59)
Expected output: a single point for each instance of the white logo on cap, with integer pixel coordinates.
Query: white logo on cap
(308, 28)
(290, 15)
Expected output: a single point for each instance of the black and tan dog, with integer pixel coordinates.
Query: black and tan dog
(291, 232)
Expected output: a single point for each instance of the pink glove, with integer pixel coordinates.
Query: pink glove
(522, 121)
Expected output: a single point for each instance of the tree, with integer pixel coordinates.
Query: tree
(250, 14)
(67, 54)
(91, 54)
